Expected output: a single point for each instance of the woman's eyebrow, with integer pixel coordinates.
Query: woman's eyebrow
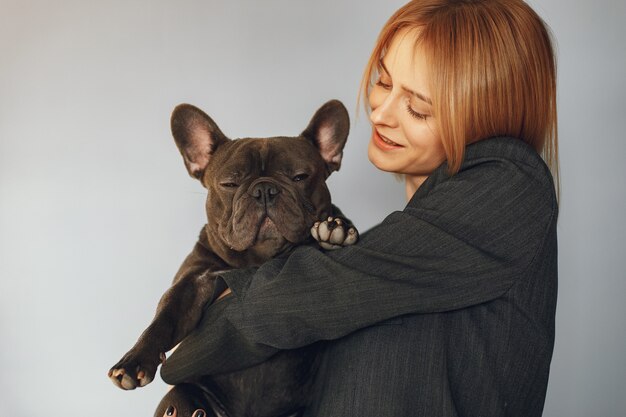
(418, 95)
(408, 90)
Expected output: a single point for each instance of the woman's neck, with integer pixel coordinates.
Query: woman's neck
(412, 183)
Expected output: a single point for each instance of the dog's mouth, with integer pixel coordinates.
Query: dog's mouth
(269, 239)
(267, 229)
(261, 228)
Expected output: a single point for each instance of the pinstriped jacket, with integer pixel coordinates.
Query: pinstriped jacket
(445, 309)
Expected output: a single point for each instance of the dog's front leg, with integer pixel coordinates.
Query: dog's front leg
(177, 314)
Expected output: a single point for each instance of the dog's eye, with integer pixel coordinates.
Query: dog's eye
(300, 177)
(229, 184)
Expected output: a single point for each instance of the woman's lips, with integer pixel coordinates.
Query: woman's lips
(383, 142)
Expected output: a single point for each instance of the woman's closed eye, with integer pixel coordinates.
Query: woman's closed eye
(415, 114)
(383, 84)
(387, 85)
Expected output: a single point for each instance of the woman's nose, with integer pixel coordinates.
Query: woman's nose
(385, 112)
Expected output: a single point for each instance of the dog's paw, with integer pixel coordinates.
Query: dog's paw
(334, 233)
(135, 369)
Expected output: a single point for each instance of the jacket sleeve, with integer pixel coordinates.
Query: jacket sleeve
(460, 241)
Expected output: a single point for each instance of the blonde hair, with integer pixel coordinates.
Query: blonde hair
(493, 72)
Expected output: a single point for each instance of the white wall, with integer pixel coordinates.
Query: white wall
(97, 210)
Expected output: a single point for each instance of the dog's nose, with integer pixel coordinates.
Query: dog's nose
(265, 193)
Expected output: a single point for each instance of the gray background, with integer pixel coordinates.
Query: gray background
(97, 210)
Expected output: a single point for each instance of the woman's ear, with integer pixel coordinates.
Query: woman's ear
(197, 137)
(328, 130)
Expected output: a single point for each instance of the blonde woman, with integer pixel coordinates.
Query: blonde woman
(447, 307)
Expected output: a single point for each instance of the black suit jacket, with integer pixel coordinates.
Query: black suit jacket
(444, 309)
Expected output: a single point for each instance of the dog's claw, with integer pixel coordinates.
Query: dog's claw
(331, 233)
(338, 235)
(122, 380)
(314, 233)
(323, 231)
(352, 237)
(135, 370)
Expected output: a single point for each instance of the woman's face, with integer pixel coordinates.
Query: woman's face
(404, 139)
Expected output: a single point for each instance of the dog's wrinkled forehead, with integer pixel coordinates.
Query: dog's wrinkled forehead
(266, 157)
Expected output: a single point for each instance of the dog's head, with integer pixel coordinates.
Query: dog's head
(263, 193)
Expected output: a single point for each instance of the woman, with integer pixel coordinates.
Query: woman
(447, 307)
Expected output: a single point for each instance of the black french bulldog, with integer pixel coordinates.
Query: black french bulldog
(265, 195)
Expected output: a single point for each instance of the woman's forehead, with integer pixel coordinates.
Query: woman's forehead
(405, 59)
(403, 47)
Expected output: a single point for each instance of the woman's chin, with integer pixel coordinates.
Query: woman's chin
(380, 160)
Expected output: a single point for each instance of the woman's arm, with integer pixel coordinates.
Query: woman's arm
(461, 241)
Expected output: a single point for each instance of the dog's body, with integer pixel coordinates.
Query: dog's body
(263, 197)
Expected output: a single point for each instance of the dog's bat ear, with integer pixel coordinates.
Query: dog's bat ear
(197, 137)
(328, 130)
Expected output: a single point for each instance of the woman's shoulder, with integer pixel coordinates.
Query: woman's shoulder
(502, 182)
(501, 167)
(502, 200)
(505, 147)
(509, 151)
